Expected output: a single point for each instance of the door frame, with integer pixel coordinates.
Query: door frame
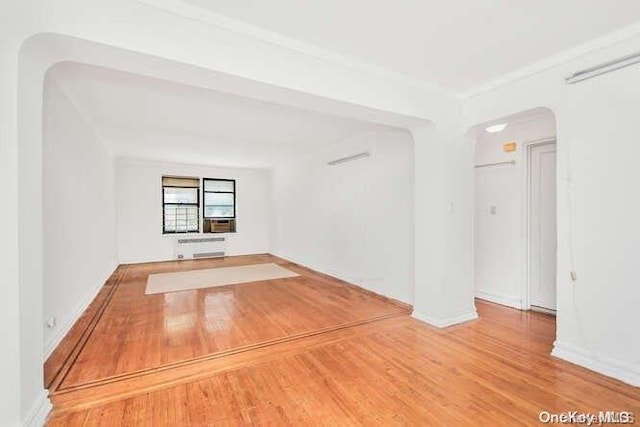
(526, 285)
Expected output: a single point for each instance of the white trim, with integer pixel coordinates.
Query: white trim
(190, 11)
(163, 259)
(322, 270)
(65, 326)
(553, 61)
(37, 415)
(443, 322)
(525, 303)
(623, 371)
(543, 310)
(361, 283)
(508, 301)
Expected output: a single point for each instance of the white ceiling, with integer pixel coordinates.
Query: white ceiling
(459, 45)
(155, 119)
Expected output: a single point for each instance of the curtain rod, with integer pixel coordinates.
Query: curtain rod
(508, 162)
(349, 158)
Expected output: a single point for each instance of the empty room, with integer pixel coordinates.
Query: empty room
(319, 213)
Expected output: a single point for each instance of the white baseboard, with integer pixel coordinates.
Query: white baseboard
(65, 325)
(500, 299)
(170, 258)
(443, 322)
(623, 371)
(38, 413)
(352, 280)
(313, 267)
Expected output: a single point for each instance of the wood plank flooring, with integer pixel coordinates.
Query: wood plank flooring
(133, 333)
(387, 370)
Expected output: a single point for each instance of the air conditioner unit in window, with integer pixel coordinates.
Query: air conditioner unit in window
(219, 225)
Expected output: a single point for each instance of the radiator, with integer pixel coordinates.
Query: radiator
(201, 247)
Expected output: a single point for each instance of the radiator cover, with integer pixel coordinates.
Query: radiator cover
(200, 247)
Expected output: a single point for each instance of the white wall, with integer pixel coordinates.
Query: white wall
(79, 214)
(598, 210)
(443, 197)
(139, 206)
(499, 239)
(354, 220)
(134, 27)
(137, 37)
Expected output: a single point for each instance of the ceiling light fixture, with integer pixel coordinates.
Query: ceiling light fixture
(496, 128)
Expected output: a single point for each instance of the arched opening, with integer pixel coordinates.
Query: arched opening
(41, 332)
(515, 215)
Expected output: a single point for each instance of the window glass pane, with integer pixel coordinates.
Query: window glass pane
(170, 209)
(215, 185)
(214, 211)
(180, 195)
(179, 218)
(218, 205)
(218, 199)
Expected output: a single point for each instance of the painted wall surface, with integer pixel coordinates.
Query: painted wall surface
(443, 197)
(79, 214)
(122, 32)
(354, 220)
(598, 230)
(499, 237)
(139, 206)
(138, 37)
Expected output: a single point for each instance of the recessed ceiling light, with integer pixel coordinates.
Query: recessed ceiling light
(496, 128)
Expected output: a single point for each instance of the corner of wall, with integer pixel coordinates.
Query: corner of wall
(626, 372)
(37, 415)
(505, 300)
(443, 322)
(67, 324)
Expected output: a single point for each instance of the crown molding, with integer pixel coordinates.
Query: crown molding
(189, 11)
(556, 60)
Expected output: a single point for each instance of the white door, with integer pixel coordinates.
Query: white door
(542, 223)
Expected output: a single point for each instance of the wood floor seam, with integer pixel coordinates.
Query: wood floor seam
(67, 404)
(60, 376)
(63, 390)
(309, 350)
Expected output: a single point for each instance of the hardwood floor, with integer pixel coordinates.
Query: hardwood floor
(127, 333)
(366, 363)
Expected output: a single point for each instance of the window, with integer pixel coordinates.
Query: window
(219, 206)
(180, 205)
(219, 198)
